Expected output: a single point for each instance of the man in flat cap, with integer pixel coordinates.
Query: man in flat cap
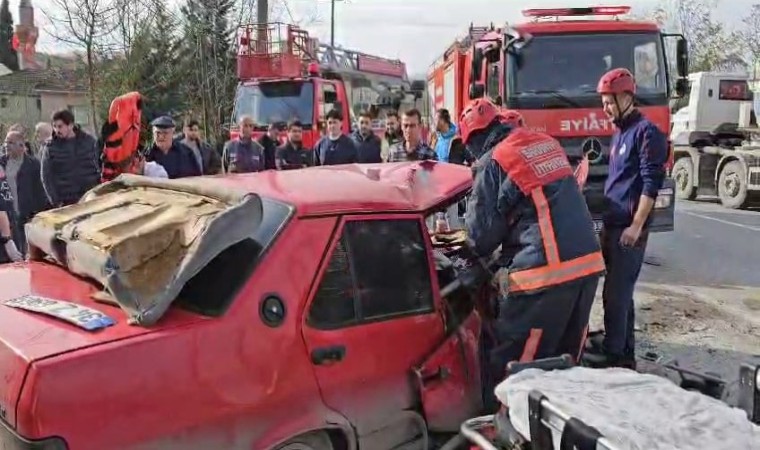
(175, 157)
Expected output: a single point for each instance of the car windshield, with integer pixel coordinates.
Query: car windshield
(276, 101)
(571, 64)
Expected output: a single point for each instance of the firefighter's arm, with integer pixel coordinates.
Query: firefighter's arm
(653, 154)
(486, 221)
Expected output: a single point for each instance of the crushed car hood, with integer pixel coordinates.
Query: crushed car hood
(27, 336)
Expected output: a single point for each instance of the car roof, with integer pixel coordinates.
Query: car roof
(357, 188)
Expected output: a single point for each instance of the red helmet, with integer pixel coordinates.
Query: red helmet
(476, 116)
(511, 118)
(617, 81)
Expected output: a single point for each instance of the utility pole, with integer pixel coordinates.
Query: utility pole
(262, 18)
(332, 23)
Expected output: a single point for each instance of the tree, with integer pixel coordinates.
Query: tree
(750, 34)
(8, 56)
(711, 46)
(86, 25)
(210, 62)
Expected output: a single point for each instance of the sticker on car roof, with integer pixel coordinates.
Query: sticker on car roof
(81, 316)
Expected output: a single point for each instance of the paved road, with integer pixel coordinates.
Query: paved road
(712, 246)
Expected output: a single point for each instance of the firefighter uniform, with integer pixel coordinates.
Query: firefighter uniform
(526, 200)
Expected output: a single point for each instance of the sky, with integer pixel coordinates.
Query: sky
(415, 31)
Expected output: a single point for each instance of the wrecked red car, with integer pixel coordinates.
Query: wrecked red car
(291, 310)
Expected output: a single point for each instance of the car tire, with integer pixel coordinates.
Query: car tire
(683, 175)
(311, 441)
(732, 185)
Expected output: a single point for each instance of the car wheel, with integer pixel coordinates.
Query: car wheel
(732, 185)
(311, 441)
(683, 174)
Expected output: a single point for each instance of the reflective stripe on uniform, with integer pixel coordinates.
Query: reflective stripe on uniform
(555, 271)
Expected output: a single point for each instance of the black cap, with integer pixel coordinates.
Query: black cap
(163, 122)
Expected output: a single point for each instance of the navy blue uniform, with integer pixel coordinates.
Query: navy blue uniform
(526, 199)
(638, 153)
(330, 152)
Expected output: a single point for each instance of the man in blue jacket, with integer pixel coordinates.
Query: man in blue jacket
(526, 200)
(638, 153)
(335, 147)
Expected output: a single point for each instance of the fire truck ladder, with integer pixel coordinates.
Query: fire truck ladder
(342, 60)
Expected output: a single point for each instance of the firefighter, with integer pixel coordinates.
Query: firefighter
(526, 199)
(638, 154)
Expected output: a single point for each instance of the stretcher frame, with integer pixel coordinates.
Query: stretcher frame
(544, 416)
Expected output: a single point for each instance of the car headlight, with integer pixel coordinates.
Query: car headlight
(664, 199)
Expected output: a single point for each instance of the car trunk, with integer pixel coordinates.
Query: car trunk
(26, 337)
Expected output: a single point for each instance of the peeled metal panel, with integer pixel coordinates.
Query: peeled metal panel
(449, 89)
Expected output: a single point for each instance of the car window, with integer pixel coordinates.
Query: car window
(379, 270)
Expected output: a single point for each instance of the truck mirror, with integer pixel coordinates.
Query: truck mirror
(477, 90)
(498, 101)
(682, 87)
(330, 97)
(682, 57)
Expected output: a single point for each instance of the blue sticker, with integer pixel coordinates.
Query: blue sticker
(81, 316)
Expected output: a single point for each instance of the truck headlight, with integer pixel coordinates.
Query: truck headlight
(664, 199)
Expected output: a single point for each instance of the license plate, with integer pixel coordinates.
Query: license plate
(598, 226)
(81, 316)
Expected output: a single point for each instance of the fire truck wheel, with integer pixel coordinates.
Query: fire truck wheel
(683, 174)
(311, 441)
(732, 185)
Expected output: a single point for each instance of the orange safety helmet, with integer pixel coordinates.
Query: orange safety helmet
(617, 81)
(480, 113)
(476, 116)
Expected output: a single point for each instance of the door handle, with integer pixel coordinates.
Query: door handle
(326, 355)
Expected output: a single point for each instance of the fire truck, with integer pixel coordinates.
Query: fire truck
(548, 67)
(285, 74)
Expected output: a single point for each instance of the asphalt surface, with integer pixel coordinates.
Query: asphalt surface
(711, 246)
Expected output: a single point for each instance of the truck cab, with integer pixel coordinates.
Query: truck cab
(285, 74)
(548, 69)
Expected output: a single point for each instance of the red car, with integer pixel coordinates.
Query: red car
(323, 329)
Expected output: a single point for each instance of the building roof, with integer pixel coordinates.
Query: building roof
(35, 80)
(354, 188)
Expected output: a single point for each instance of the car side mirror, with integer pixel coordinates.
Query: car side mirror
(477, 90)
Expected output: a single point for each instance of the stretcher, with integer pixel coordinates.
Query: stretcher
(613, 409)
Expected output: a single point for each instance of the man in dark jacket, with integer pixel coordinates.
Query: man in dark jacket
(70, 161)
(207, 157)
(176, 158)
(292, 154)
(335, 147)
(22, 173)
(526, 200)
(270, 141)
(244, 154)
(638, 153)
(8, 250)
(368, 145)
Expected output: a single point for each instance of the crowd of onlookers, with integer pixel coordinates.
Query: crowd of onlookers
(59, 162)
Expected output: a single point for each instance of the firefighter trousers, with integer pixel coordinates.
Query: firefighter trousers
(623, 268)
(533, 326)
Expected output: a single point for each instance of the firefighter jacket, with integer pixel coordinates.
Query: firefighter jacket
(526, 199)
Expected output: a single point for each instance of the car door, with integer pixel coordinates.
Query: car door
(372, 317)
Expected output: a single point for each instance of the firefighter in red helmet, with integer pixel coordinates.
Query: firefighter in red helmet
(525, 199)
(638, 154)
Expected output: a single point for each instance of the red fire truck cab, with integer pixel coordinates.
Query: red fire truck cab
(548, 68)
(284, 74)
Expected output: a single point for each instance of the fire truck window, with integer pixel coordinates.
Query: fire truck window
(391, 267)
(334, 304)
(492, 81)
(329, 98)
(645, 65)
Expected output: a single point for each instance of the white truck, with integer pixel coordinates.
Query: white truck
(716, 141)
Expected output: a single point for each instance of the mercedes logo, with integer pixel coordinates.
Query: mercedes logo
(592, 149)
